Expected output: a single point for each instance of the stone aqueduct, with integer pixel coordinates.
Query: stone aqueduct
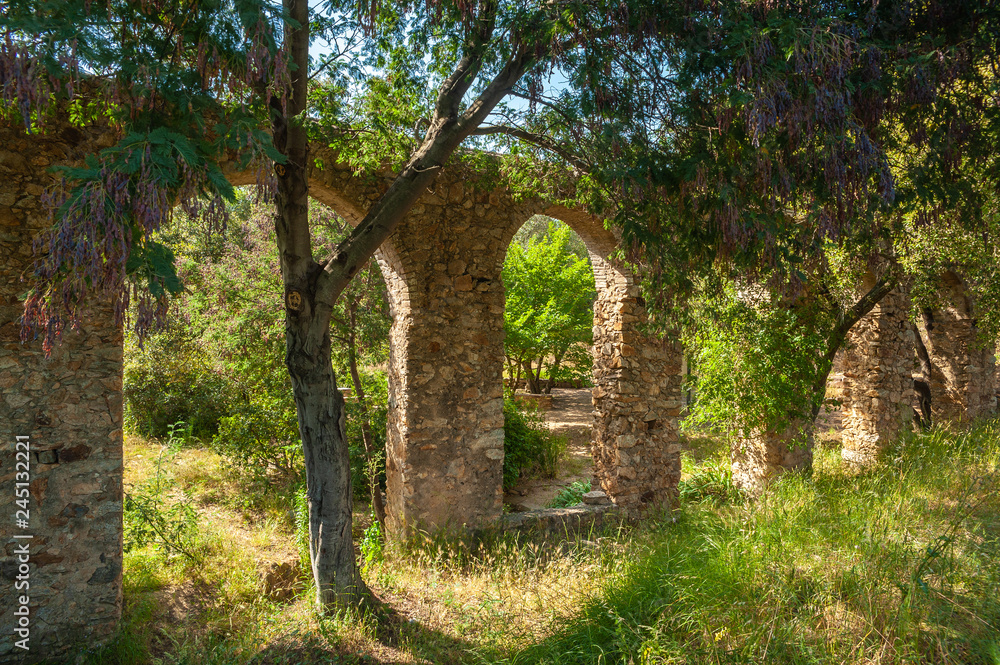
(445, 443)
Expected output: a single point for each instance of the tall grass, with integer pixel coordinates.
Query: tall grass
(898, 565)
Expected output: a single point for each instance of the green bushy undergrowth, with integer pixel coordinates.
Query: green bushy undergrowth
(570, 496)
(220, 366)
(898, 565)
(529, 447)
(171, 379)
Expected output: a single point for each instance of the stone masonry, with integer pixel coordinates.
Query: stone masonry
(878, 380)
(637, 398)
(962, 365)
(70, 407)
(445, 439)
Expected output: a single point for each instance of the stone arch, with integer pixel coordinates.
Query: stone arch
(636, 392)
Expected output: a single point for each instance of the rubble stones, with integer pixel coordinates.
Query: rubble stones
(878, 380)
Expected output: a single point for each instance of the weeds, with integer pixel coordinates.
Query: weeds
(900, 564)
(150, 519)
(570, 496)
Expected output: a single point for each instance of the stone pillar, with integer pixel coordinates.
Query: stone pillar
(878, 380)
(637, 399)
(444, 463)
(760, 457)
(69, 406)
(962, 365)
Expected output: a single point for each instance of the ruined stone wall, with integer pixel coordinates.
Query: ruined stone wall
(70, 407)
(962, 365)
(878, 379)
(445, 440)
(637, 383)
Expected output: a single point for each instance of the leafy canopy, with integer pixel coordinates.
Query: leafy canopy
(550, 296)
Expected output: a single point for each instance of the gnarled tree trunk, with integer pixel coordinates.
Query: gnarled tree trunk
(320, 408)
(318, 402)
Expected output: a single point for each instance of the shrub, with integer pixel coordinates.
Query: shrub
(171, 379)
(261, 436)
(301, 512)
(529, 447)
(570, 496)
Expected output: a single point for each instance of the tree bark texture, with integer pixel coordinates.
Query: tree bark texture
(320, 409)
(319, 405)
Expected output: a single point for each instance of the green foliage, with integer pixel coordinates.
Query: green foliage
(172, 379)
(220, 366)
(301, 512)
(372, 544)
(711, 481)
(529, 447)
(260, 436)
(150, 518)
(548, 316)
(181, 89)
(570, 496)
(757, 359)
(936, 254)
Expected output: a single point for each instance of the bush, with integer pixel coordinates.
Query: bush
(529, 447)
(571, 496)
(171, 379)
(261, 435)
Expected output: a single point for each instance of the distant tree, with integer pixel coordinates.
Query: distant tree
(549, 310)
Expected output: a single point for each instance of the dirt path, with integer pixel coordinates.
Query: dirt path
(571, 416)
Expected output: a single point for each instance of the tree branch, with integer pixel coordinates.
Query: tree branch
(442, 138)
(537, 140)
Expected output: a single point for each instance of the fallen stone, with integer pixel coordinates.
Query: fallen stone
(596, 498)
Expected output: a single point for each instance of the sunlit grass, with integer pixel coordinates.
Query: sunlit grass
(900, 564)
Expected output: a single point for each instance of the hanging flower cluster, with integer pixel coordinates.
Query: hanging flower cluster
(184, 84)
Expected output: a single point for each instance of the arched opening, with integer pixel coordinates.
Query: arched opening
(636, 380)
(246, 391)
(549, 296)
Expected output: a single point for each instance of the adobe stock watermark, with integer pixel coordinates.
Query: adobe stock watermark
(22, 557)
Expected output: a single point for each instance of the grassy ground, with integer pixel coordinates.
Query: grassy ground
(897, 565)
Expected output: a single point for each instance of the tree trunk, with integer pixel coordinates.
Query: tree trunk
(552, 371)
(922, 383)
(320, 409)
(318, 403)
(531, 379)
